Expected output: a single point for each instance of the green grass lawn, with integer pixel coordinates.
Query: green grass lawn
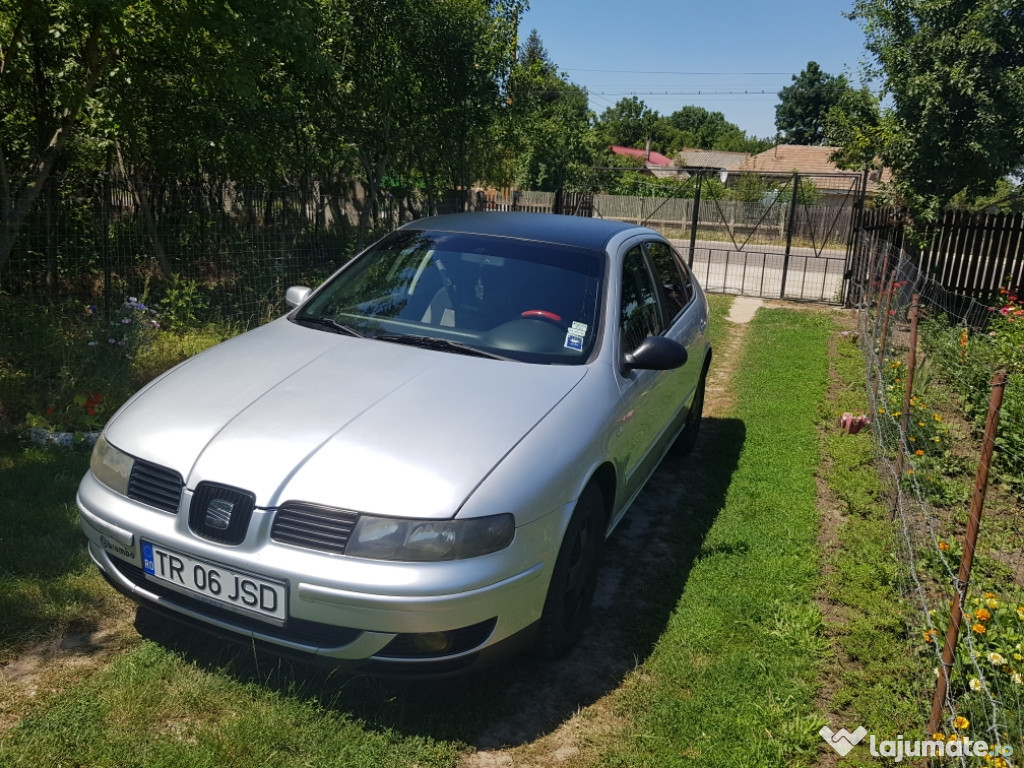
(734, 677)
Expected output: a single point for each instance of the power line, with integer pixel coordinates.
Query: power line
(762, 92)
(659, 72)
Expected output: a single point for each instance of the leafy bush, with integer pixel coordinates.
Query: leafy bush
(969, 361)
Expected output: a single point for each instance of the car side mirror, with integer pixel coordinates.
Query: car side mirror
(655, 353)
(296, 294)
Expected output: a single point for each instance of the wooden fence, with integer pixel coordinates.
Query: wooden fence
(968, 254)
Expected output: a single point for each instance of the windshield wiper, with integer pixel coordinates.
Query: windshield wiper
(329, 323)
(441, 345)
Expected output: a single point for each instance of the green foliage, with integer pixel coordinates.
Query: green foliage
(339, 90)
(803, 107)
(183, 304)
(1005, 197)
(630, 123)
(751, 187)
(854, 126)
(954, 72)
(969, 360)
(545, 129)
(702, 129)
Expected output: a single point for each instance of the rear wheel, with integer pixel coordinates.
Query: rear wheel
(691, 430)
(574, 580)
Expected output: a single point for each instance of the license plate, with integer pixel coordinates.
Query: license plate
(217, 584)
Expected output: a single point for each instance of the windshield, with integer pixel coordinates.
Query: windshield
(511, 298)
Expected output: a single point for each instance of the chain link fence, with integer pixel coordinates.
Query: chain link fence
(932, 359)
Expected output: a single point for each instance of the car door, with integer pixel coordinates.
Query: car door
(652, 403)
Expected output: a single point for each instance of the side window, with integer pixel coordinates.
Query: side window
(640, 315)
(673, 276)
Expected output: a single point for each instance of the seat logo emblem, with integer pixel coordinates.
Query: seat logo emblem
(218, 514)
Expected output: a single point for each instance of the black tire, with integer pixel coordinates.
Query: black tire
(571, 592)
(687, 439)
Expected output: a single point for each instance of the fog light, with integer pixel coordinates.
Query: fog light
(431, 642)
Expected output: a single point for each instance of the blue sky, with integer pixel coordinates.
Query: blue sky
(737, 53)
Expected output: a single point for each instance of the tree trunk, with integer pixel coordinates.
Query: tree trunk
(15, 207)
(142, 197)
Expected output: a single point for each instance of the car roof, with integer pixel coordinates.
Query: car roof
(577, 231)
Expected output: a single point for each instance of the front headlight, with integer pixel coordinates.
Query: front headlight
(391, 538)
(111, 467)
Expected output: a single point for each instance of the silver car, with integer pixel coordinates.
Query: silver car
(416, 468)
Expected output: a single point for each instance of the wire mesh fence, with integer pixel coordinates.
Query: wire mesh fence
(932, 364)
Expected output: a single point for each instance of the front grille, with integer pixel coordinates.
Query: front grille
(313, 527)
(220, 513)
(311, 633)
(155, 485)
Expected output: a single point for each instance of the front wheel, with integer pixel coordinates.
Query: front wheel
(574, 580)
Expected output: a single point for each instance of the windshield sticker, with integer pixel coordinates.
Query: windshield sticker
(574, 337)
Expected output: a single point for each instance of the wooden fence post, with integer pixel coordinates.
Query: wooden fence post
(967, 558)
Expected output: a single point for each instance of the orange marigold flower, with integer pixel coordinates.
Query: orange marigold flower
(961, 722)
(982, 614)
(944, 546)
(979, 629)
(919, 452)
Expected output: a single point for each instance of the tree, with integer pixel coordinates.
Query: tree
(854, 127)
(803, 106)
(53, 56)
(954, 70)
(702, 129)
(545, 131)
(629, 123)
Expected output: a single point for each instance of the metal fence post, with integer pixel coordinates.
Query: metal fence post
(908, 389)
(696, 218)
(967, 558)
(885, 332)
(789, 233)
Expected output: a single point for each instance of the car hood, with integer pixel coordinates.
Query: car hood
(296, 414)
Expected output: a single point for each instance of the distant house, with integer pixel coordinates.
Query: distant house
(784, 159)
(655, 163)
(710, 160)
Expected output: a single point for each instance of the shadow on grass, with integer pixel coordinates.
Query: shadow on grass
(39, 533)
(647, 563)
(42, 549)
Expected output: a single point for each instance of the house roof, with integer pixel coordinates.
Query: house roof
(654, 158)
(710, 158)
(786, 158)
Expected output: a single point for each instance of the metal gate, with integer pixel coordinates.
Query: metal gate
(756, 234)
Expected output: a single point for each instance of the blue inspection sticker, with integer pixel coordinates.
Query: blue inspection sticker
(574, 337)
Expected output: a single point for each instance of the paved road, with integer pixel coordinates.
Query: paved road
(721, 268)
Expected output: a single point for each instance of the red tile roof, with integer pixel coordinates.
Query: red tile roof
(653, 157)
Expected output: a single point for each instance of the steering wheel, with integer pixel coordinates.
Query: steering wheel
(542, 314)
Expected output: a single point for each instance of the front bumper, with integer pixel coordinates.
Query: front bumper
(339, 608)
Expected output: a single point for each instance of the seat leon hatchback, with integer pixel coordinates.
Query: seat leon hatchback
(417, 467)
